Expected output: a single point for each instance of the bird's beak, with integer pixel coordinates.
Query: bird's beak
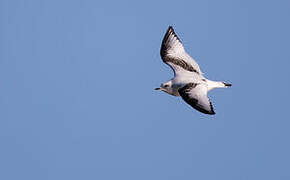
(157, 88)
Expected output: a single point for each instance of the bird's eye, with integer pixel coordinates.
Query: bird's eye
(166, 85)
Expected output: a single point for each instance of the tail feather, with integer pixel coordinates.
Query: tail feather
(216, 84)
(227, 84)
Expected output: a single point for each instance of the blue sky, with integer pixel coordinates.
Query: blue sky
(77, 98)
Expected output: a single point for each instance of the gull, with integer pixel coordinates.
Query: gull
(188, 81)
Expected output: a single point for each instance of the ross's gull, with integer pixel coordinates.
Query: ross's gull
(188, 81)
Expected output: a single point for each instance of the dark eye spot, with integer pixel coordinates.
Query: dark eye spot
(165, 85)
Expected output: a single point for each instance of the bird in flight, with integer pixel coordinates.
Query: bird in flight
(188, 81)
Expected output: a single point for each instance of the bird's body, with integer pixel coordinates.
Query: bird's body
(176, 83)
(188, 81)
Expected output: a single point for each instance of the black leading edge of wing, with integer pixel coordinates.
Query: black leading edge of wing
(168, 41)
(193, 99)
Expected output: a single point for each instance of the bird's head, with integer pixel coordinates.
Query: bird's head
(166, 87)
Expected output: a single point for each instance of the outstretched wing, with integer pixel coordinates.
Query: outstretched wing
(196, 96)
(173, 53)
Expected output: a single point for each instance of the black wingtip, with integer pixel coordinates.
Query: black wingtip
(169, 32)
(211, 113)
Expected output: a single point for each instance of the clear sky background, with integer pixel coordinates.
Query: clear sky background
(77, 98)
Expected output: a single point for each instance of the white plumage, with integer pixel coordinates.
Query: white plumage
(188, 81)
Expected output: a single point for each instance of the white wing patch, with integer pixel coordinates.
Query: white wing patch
(173, 54)
(196, 96)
